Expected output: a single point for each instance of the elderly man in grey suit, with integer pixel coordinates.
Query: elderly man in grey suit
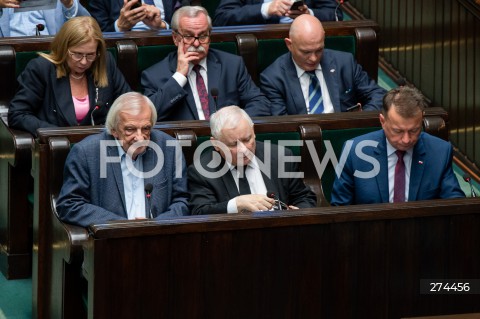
(128, 172)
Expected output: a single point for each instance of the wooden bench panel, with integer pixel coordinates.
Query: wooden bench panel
(362, 261)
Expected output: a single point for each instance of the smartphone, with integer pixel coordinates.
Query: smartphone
(137, 4)
(297, 4)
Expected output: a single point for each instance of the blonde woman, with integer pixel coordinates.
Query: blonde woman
(72, 85)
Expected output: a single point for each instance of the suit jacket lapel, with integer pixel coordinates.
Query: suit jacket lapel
(213, 72)
(148, 165)
(380, 154)
(291, 73)
(329, 70)
(116, 170)
(416, 169)
(65, 107)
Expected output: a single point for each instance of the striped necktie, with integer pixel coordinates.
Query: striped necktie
(315, 99)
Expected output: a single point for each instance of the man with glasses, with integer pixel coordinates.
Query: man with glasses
(127, 172)
(195, 81)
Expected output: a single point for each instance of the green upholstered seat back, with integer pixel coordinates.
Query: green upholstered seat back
(338, 138)
(270, 49)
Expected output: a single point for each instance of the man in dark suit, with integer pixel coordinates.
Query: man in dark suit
(399, 163)
(124, 15)
(121, 174)
(237, 12)
(237, 174)
(179, 84)
(289, 81)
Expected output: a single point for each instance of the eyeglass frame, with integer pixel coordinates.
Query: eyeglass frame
(194, 38)
(95, 56)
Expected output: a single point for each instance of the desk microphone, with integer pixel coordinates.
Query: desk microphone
(214, 94)
(279, 205)
(148, 194)
(91, 114)
(467, 179)
(39, 27)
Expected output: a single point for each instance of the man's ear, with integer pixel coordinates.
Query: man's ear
(212, 139)
(382, 119)
(288, 43)
(114, 133)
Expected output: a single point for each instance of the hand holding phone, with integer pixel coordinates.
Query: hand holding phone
(137, 4)
(297, 4)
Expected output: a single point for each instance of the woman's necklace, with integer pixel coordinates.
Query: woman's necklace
(77, 77)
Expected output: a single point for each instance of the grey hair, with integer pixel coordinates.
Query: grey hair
(227, 116)
(128, 102)
(190, 12)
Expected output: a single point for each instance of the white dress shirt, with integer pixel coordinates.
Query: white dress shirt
(255, 181)
(304, 79)
(191, 78)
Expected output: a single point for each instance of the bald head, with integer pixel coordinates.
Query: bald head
(307, 26)
(306, 42)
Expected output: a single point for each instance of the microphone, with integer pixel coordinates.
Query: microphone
(279, 205)
(148, 194)
(91, 114)
(39, 27)
(466, 178)
(336, 9)
(214, 94)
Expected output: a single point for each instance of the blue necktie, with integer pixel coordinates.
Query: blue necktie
(315, 99)
(149, 2)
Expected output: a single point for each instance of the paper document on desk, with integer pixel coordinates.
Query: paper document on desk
(34, 5)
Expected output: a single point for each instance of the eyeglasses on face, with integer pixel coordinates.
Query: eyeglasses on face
(190, 39)
(130, 130)
(77, 57)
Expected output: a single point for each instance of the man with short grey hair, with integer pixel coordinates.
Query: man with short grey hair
(127, 172)
(196, 80)
(231, 178)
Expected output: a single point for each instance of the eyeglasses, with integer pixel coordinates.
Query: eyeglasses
(190, 39)
(130, 130)
(77, 57)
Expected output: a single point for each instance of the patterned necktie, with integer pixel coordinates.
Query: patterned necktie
(202, 92)
(399, 184)
(315, 99)
(243, 186)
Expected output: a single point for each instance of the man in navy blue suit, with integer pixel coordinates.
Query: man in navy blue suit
(128, 172)
(237, 12)
(343, 82)
(125, 15)
(398, 163)
(182, 85)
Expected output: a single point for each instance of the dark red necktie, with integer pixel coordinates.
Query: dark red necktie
(202, 92)
(399, 184)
